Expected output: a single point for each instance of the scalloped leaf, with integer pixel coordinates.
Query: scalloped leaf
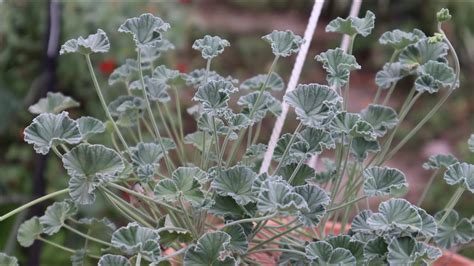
(460, 173)
(439, 161)
(6, 260)
(198, 140)
(356, 247)
(48, 130)
(361, 147)
(279, 196)
(236, 182)
(376, 248)
(351, 124)
(338, 64)
(127, 109)
(283, 43)
(266, 103)
(359, 223)
(426, 83)
(29, 231)
(297, 151)
(90, 126)
(123, 73)
(196, 77)
(94, 43)
(54, 102)
(114, 260)
(157, 90)
(353, 25)
(422, 52)
(209, 250)
(398, 39)
(317, 200)
(322, 253)
(164, 74)
(396, 214)
(408, 251)
(213, 97)
(390, 74)
(145, 158)
(56, 215)
(383, 181)
(210, 46)
(299, 178)
(317, 140)
(275, 82)
(183, 182)
(313, 103)
(380, 117)
(146, 30)
(238, 238)
(435, 75)
(453, 231)
(134, 239)
(428, 227)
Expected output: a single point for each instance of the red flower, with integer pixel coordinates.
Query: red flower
(181, 67)
(107, 66)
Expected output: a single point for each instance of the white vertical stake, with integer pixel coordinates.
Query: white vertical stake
(295, 75)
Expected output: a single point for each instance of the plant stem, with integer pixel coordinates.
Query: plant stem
(274, 237)
(104, 104)
(178, 109)
(187, 221)
(33, 202)
(87, 236)
(427, 187)
(346, 204)
(181, 251)
(295, 172)
(64, 248)
(345, 99)
(452, 202)
(278, 250)
(287, 149)
(138, 261)
(249, 220)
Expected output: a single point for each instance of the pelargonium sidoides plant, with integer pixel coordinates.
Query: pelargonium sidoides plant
(194, 200)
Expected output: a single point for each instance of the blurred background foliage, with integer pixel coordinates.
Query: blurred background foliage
(23, 40)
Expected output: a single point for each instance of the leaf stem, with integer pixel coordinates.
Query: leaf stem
(288, 147)
(427, 187)
(72, 251)
(72, 229)
(274, 237)
(249, 220)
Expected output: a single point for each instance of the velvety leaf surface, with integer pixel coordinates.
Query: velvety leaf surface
(54, 102)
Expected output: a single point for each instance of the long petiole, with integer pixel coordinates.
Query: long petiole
(288, 147)
(88, 237)
(72, 251)
(427, 187)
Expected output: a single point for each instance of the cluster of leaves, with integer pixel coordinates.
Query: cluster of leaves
(213, 211)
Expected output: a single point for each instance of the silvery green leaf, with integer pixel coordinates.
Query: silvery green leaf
(408, 251)
(304, 172)
(54, 102)
(396, 214)
(6, 260)
(210, 249)
(453, 231)
(275, 82)
(206, 123)
(145, 157)
(359, 223)
(428, 228)
(356, 247)
(253, 156)
(122, 74)
(470, 143)
(317, 139)
(29, 231)
(134, 239)
(99, 227)
(114, 260)
(313, 103)
(279, 196)
(266, 103)
(380, 117)
(55, 216)
(164, 74)
(149, 54)
(146, 30)
(461, 173)
(182, 182)
(210, 46)
(398, 39)
(351, 124)
(317, 200)
(361, 147)
(338, 65)
(383, 181)
(426, 83)
(283, 43)
(48, 130)
(322, 253)
(212, 98)
(442, 74)
(198, 139)
(94, 43)
(157, 90)
(226, 206)
(78, 258)
(82, 189)
(390, 74)
(376, 248)
(238, 121)
(196, 77)
(128, 109)
(236, 182)
(422, 52)
(353, 25)
(439, 161)
(238, 238)
(329, 173)
(297, 151)
(89, 126)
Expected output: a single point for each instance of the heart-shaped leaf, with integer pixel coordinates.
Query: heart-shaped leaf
(236, 182)
(453, 231)
(213, 97)
(209, 250)
(54, 102)
(283, 43)
(279, 196)
(29, 231)
(390, 74)
(361, 147)
(353, 25)
(313, 103)
(56, 215)
(275, 82)
(439, 161)
(408, 251)
(383, 181)
(146, 30)
(317, 200)
(398, 39)
(6, 260)
(422, 52)
(461, 173)
(48, 130)
(113, 260)
(396, 214)
(338, 64)
(322, 253)
(380, 117)
(134, 239)
(210, 46)
(183, 182)
(89, 126)
(94, 43)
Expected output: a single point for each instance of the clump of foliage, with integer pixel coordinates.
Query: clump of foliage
(192, 199)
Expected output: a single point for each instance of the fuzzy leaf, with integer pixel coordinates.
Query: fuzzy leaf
(183, 182)
(434, 75)
(145, 157)
(275, 82)
(338, 64)
(396, 214)
(283, 43)
(317, 140)
(304, 172)
(351, 124)
(238, 238)
(359, 223)
(209, 250)
(380, 117)
(134, 239)
(461, 173)
(236, 182)
(56, 215)
(146, 30)
(164, 74)
(356, 247)
(361, 147)
(157, 90)
(297, 151)
(453, 231)
(439, 161)
(122, 74)
(422, 52)
(407, 251)
(279, 196)
(89, 126)
(210, 46)
(376, 248)
(54, 102)
(352, 25)
(317, 200)
(48, 130)
(29, 231)
(114, 260)
(6, 260)
(313, 103)
(383, 181)
(266, 103)
(322, 253)
(128, 109)
(196, 77)
(390, 74)
(94, 43)
(428, 227)
(198, 139)
(213, 97)
(398, 39)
